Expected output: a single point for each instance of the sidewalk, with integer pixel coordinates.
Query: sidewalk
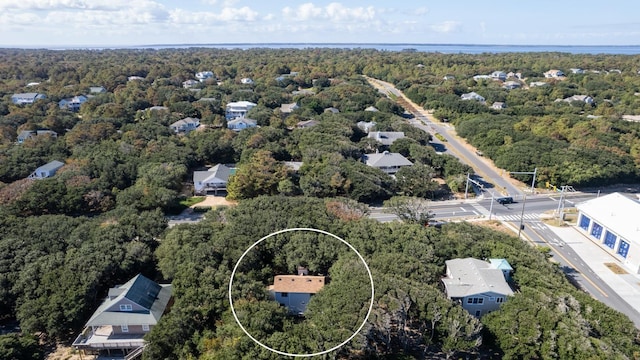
(627, 286)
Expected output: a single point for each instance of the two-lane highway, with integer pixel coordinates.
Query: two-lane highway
(453, 144)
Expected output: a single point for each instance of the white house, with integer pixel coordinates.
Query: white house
(246, 81)
(204, 75)
(46, 170)
(97, 90)
(215, 179)
(307, 124)
(554, 74)
(583, 98)
(129, 312)
(537, 83)
(576, 71)
(241, 124)
(72, 104)
(481, 77)
(26, 98)
(190, 83)
(185, 125)
(480, 287)
(510, 85)
(371, 108)
(135, 78)
(499, 75)
(385, 137)
(611, 221)
(498, 105)
(386, 161)
(472, 96)
(295, 291)
(366, 126)
(238, 109)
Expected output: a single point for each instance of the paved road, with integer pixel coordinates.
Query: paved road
(577, 270)
(453, 144)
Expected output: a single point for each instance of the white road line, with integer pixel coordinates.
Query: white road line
(552, 198)
(475, 212)
(463, 209)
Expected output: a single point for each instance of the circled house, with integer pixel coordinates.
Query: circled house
(295, 291)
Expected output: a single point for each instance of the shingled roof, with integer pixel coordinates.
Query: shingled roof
(298, 283)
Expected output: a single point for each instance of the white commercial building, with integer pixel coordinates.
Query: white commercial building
(611, 221)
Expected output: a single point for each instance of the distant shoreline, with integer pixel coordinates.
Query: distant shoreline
(396, 47)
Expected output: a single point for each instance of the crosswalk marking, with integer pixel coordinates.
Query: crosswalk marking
(517, 217)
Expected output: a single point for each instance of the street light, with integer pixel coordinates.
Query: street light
(534, 172)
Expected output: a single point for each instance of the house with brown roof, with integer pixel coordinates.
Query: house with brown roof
(295, 291)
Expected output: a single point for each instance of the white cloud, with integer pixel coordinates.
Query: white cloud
(63, 4)
(334, 12)
(420, 11)
(223, 3)
(244, 13)
(446, 26)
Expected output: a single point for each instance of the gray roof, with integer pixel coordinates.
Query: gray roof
(249, 122)
(219, 172)
(24, 134)
(472, 276)
(386, 137)
(142, 291)
(387, 159)
(53, 165)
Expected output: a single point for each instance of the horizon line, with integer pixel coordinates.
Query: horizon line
(123, 46)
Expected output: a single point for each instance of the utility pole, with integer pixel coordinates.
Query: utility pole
(491, 207)
(466, 190)
(534, 173)
(522, 215)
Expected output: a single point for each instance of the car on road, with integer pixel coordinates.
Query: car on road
(505, 200)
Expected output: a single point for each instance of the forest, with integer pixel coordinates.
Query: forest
(101, 219)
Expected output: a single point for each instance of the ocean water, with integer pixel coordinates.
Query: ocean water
(434, 48)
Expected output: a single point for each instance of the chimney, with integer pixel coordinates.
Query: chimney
(302, 271)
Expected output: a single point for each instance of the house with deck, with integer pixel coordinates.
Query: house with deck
(241, 124)
(480, 287)
(72, 104)
(238, 109)
(26, 98)
(215, 179)
(386, 161)
(126, 315)
(33, 134)
(295, 291)
(185, 125)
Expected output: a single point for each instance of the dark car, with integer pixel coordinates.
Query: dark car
(505, 200)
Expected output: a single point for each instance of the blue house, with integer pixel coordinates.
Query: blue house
(295, 291)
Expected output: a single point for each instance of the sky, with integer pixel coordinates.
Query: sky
(51, 23)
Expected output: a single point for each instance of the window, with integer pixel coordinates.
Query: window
(492, 298)
(623, 249)
(499, 300)
(284, 294)
(126, 307)
(145, 327)
(478, 313)
(596, 230)
(584, 222)
(475, 300)
(124, 328)
(610, 239)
